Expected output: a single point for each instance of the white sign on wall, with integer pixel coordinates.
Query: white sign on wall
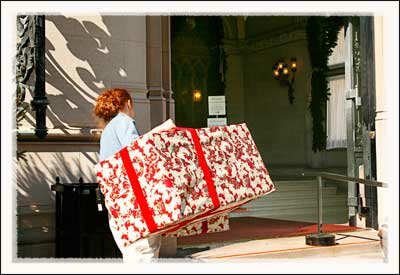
(216, 105)
(220, 121)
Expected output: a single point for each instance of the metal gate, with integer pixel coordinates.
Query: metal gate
(360, 118)
(81, 230)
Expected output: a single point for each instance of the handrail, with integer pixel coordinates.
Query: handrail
(338, 177)
(345, 178)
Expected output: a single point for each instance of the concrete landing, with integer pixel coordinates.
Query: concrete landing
(361, 244)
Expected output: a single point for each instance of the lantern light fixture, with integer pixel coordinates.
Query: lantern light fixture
(285, 74)
(196, 95)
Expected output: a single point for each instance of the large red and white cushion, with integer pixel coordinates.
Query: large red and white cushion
(212, 225)
(167, 180)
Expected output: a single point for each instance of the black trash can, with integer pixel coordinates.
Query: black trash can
(81, 230)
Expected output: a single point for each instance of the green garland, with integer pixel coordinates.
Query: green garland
(322, 34)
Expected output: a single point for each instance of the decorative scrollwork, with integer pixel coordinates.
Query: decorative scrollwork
(25, 63)
(30, 58)
(356, 54)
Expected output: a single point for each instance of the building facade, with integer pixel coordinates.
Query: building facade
(160, 60)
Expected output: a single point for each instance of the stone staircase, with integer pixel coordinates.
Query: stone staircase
(296, 200)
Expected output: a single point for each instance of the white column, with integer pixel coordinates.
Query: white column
(384, 127)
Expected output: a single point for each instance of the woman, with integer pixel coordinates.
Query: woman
(115, 108)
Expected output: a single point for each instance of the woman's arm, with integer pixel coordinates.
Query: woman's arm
(126, 132)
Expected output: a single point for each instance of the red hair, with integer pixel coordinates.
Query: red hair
(110, 102)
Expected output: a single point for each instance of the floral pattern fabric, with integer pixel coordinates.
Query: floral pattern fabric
(171, 179)
(212, 225)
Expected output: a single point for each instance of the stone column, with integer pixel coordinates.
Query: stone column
(158, 56)
(384, 127)
(168, 244)
(166, 67)
(154, 70)
(234, 82)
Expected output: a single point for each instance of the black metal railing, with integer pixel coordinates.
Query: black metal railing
(319, 238)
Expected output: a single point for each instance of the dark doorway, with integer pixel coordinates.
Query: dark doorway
(197, 66)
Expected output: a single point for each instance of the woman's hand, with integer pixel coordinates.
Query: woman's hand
(168, 124)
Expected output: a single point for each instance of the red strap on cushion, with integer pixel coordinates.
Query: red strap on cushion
(137, 190)
(143, 205)
(203, 165)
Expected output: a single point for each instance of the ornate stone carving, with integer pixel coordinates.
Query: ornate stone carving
(356, 64)
(24, 65)
(30, 58)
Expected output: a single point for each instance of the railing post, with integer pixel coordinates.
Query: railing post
(319, 200)
(320, 239)
(324, 239)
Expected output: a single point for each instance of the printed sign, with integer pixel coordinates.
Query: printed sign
(221, 121)
(216, 105)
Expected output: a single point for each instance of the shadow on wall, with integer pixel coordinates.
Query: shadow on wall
(36, 201)
(36, 175)
(82, 58)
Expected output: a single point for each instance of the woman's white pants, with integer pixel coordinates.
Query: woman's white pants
(143, 250)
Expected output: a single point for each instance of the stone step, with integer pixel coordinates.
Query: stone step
(293, 182)
(309, 187)
(297, 202)
(330, 218)
(290, 211)
(333, 217)
(333, 213)
(304, 215)
(282, 184)
(330, 193)
(305, 182)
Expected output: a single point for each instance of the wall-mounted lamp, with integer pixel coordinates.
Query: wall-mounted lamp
(282, 72)
(196, 95)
